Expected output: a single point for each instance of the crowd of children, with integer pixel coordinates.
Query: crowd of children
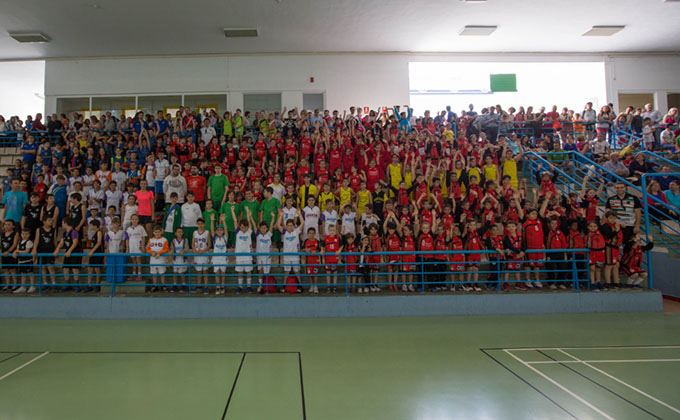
(377, 200)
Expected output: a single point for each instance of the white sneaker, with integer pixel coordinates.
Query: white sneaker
(316, 290)
(529, 285)
(478, 289)
(377, 289)
(411, 288)
(404, 288)
(31, 289)
(311, 289)
(465, 288)
(562, 286)
(538, 284)
(553, 287)
(22, 289)
(259, 289)
(360, 290)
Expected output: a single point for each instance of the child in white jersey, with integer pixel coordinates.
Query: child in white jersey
(263, 245)
(200, 245)
(115, 239)
(219, 261)
(244, 244)
(329, 217)
(311, 214)
(128, 211)
(349, 221)
(290, 236)
(158, 248)
(135, 244)
(178, 247)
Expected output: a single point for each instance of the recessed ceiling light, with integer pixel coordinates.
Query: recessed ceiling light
(604, 30)
(240, 32)
(478, 30)
(29, 37)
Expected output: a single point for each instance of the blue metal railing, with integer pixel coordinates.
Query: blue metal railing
(429, 270)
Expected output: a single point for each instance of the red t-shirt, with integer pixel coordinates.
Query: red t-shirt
(196, 184)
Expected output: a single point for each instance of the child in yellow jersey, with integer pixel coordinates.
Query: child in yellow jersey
(510, 166)
(344, 193)
(363, 198)
(490, 169)
(326, 195)
(394, 171)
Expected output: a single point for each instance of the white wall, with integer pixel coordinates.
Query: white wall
(372, 80)
(22, 88)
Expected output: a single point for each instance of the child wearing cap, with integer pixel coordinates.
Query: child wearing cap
(219, 260)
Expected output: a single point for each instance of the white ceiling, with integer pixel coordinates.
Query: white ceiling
(89, 28)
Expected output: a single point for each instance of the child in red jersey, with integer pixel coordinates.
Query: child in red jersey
(426, 242)
(575, 240)
(589, 200)
(556, 261)
(613, 237)
(494, 242)
(352, 261)
(513, 246)
(472, 242)
(393, 244)
(375, 260)
(312, 247)
(331, 249)
(457, 261)
(532, 232)
(632, 260)
(595, 243)
(408, 261)
(441, 243)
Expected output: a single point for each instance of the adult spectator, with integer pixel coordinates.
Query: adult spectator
(615, 166)
(657, 204)
(672, 117)
(652, 114)
(628, 210)
(490, 124)
(14, 201)
(207, 131)
(37, 123)
(640, 166)
(145, 203)
(29, 149)
(217, 186)
(54, 124)
(668, 138)
(673, 195)
(664, 180)
(175, 182)
(196, 184)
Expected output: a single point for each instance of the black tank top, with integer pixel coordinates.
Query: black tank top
(76, 213)
(7, 241)
(45, 241)
(100, 248)
(47, 212)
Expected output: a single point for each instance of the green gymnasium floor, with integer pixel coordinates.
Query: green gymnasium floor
(611, 366)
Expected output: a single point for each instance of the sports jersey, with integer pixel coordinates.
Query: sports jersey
(114, 240)
(349, 223)
(159, 245)
(244, 241)
(311, 216)
(313, 246)
(263, 242)
(291, 240)
(219, 247)
(200, 240)
(135, 236)
(179, 245)
(331, 246)
(330, 218)
(533, 234)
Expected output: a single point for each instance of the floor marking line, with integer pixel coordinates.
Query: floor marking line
(560, 386)
(622, 382)
(11, 357)
(529, 384)
(591, 348)
(550, 362)
(24, 365)
(302, 388)
(584, 376)
(233, 386)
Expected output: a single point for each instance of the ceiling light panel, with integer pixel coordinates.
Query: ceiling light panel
(604, 30)
(240, 32)
(29, 37)
(478, 30)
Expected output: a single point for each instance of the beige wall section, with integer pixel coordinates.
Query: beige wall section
(636, 100)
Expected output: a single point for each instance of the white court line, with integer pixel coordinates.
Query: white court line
(24, 365)
(560, 386)
(553, 362)
(620, 381)
(595, 348)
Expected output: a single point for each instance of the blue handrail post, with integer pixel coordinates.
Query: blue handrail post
(645, 207)
(574, 273)
(587, 261)
(422, 274)
(344, 264)
(40, 276)
(189, 276)
(498, 272)
(114, 277)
